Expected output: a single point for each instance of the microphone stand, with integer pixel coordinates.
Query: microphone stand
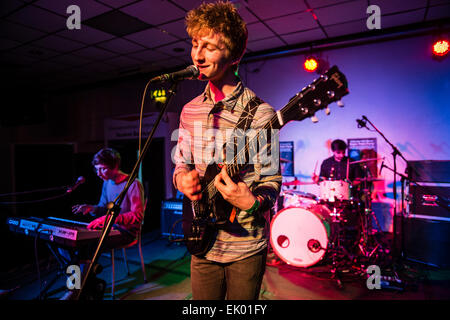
(114, 207)
(395, 153)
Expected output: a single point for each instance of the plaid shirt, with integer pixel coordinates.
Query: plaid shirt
(202, 133)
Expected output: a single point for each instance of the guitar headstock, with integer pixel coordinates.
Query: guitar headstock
(328, 88)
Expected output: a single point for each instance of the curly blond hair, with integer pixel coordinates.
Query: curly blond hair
(219, 17)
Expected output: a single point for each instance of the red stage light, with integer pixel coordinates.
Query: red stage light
(311, 64)
(440, 48)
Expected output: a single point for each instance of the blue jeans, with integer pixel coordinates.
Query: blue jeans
(240, 280)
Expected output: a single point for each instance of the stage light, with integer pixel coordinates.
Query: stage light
(311, 64)
(440, 48)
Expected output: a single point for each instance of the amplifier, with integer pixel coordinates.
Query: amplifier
(429, 201)
(171, 213)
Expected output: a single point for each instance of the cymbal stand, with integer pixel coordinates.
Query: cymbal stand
(367, 234)
(335, 245)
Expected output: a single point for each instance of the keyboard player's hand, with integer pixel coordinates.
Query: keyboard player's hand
(83, 208)
(97, 223)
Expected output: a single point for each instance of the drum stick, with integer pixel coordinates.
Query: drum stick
(315, 167)
(348, 164)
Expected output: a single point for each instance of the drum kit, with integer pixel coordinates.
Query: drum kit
(334, 227)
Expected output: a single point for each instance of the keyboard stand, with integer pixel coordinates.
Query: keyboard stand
(61, 272)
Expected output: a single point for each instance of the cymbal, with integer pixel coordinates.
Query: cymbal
(366, 160)
(297, 183)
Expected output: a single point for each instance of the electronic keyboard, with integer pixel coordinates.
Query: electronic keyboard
(62, 231)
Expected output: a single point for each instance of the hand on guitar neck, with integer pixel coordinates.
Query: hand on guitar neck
(189, 184)
(238, 194)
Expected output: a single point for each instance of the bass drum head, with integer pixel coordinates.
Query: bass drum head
(299, 236)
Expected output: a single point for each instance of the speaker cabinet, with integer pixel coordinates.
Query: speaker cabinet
(171, 213)
(427, 241)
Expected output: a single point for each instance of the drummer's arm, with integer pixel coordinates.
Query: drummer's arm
(315, 178)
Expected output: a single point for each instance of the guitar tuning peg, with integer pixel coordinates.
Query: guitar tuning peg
(314, 119)
(327, 111)
(340, 103)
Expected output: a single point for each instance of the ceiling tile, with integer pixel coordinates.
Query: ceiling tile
(86, 35)
(6, 44)
(391, 6)
(151, 11)
(265, 9)
(399, 19)
(88, 8)
(258, 31)
(348, 11)
(9, 6)
(240, 5)
(34, 52)
(325, 3)
(117, 23)
(190, 4)
(264, 44)
(94, 53)
(39, 19)
(180, 48)
(123, 61)
(342, 29)
(116, 3)
(46, 67)
(151, 38)
(292, 23)
(176, 28)
(304, 36)
(71, 60)
(19, 33)
(58, 43)
(148, 55)
(120, 45)
(438, 12)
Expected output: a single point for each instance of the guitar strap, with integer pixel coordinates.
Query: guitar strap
(243, 124)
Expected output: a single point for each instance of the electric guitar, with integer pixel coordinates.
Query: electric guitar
(203, 218)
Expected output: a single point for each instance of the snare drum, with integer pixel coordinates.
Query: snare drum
(299, 236)
(331, 190)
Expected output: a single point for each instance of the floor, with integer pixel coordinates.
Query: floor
(167, 266)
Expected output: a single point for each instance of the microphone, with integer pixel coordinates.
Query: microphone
(381, 168)
(361, 123)
(190, 72)
(79, 182)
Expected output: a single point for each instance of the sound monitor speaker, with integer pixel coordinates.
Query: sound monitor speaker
(171, 212)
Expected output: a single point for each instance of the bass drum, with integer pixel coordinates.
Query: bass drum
(299, 236)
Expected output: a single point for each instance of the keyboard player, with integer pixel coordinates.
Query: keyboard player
(106, 163)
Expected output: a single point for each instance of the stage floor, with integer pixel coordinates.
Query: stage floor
(168, 274)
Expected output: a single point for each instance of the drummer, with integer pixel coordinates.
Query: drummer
(337, 167)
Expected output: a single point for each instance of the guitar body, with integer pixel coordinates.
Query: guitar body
(203, 218)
